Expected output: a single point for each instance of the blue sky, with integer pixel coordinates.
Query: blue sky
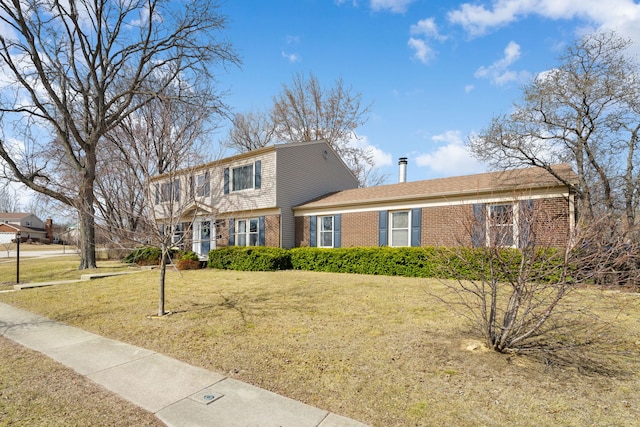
(436, 71)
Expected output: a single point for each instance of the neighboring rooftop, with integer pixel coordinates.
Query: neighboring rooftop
(13, 215)
(483, 183)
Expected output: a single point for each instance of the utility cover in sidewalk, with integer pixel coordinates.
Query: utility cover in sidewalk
(205, 396)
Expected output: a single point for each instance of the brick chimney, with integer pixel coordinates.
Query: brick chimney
(48, 229)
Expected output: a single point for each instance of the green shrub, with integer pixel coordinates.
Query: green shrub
(440, 262)
(188, 256)
(148, 255)
(250, 258)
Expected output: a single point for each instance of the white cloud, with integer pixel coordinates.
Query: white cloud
(380, 158)
(145, 14)
(499, 72)
(476, 19)
(395, 6)
(469, 88)
(421, 32)
(291, 57)
(422, 51)
(354, 3)
(450, 159)
(428, 28)
(292, 39)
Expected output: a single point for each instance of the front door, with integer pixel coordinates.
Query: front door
(202, 237)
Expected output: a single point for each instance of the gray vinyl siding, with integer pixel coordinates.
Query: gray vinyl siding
(304, 172)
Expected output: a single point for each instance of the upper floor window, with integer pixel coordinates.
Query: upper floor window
(168, 191)
(244, 177)
(203, 183)
(400, 227)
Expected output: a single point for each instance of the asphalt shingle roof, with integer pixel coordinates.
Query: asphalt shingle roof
(484, 183)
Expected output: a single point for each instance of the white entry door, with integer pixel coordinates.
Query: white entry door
(203, 237)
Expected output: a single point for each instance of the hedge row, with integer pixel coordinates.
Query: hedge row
(250, 258)
(462, 263)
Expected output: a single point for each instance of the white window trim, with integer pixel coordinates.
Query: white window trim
(247, 233)
(515, 229)
(320, 231)
(391, 229)
(253, 177)
(172, 194)
(203, 189)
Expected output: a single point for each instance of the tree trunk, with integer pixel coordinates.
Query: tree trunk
(87, 240)
(87, 212)
(163, 272)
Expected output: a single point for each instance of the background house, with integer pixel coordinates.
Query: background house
(30, 226)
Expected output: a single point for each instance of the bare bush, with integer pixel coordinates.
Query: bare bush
(520, 298)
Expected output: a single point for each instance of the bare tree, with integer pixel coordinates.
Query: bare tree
(584, 112)
(160, 137)
(251, 131)
(307, 111)
(147, 185)
(76, 70)
(9, 246)
(8, 199)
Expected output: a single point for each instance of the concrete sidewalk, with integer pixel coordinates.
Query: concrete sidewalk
(177, 393)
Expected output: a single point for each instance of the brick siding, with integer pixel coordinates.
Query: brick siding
(271, 231)
(448, 225)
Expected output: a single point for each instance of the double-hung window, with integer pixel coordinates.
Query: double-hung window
(400, 228)
(170, 191)
(501, 225)
(325, 231)
(247, 232)
(203, 183)
(242, 178)
(245, 177)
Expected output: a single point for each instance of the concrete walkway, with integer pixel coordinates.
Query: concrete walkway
(178, 394)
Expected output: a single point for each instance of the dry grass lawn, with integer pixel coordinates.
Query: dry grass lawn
(378, 349)
(34, 270)
(36, 391)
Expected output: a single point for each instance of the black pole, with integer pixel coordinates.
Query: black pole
(18, 258)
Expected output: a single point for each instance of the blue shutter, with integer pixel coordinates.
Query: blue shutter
(176, 190)
(157, 194)
(312, 231)
(261, 231)
(226, 180)
(258, 173)
(383, 219)
(416, 226)
(232, 232)
(525, 226)
(478, 231)
(337, 233)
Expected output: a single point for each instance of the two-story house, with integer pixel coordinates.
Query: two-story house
(247, 199)
(302, 194)
(30, 227)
